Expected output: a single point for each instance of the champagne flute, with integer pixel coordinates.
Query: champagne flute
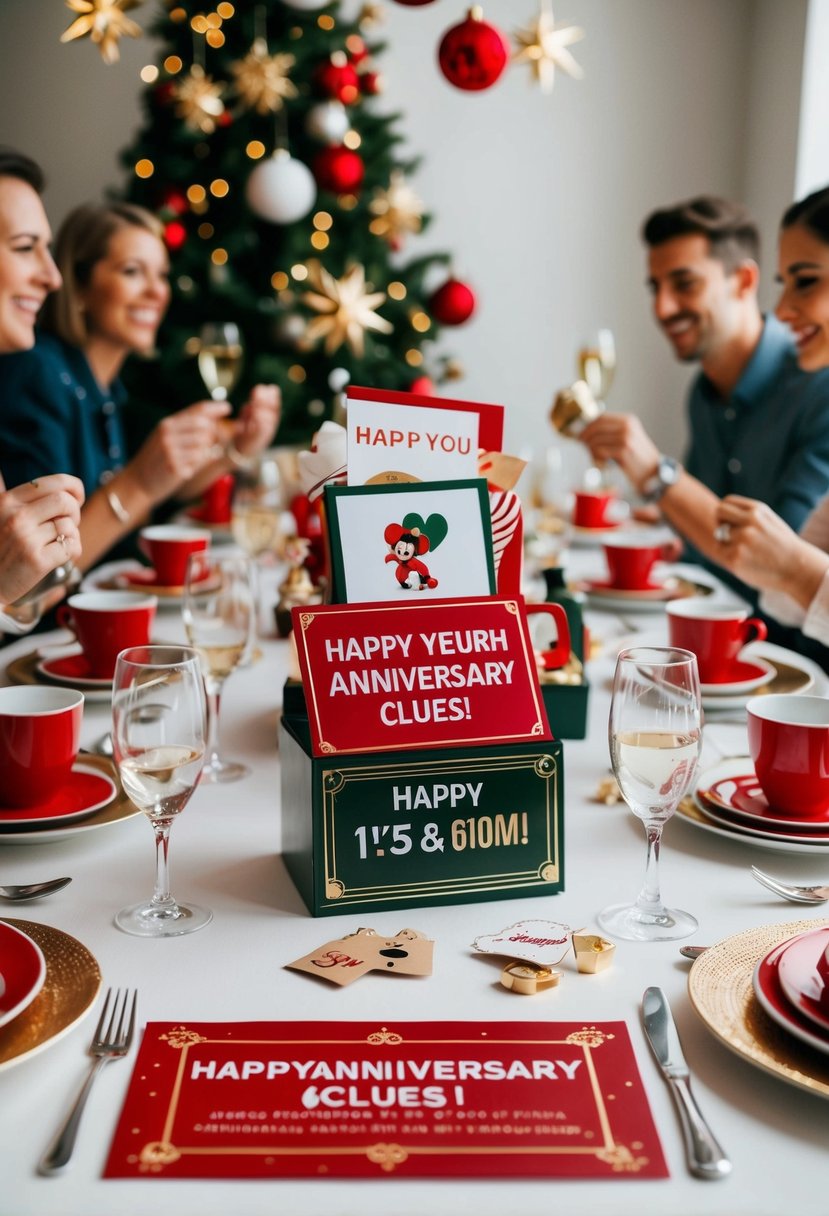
(655, 742)
(220, 358)
(597, 363)
(257, 508)
(159, 727)
(219, 611)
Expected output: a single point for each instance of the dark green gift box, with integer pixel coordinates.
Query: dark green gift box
(376, 832)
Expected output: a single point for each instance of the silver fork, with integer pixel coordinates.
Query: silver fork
(110, 1041)
(791, 891)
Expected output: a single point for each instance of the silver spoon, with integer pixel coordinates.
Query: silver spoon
(791, 891)
(692, 952)
(33, 890)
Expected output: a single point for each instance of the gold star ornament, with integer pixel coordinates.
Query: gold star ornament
(396, 210)
(345, 308)
(199, 100)
(543, 47)
(105, 21)
(262, 80)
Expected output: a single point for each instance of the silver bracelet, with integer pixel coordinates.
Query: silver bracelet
(116, 506)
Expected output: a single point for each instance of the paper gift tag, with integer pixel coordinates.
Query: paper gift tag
(539, 941)
(346, 959)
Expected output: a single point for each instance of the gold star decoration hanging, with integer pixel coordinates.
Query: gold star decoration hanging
(371, 14)
(396, 210)
(199, 100)
(543, 47)
(262, 80)
(345, 308)
(105, 21)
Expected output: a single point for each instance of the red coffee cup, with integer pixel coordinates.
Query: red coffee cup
(217, 500)
(168, 547)
(591, 509)
(107, 622)
(40, 732)
(714, 633)
(630, 562)
(788, 738)
(557, 656)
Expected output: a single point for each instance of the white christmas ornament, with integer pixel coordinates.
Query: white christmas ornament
(307, 6)
(338, 378)
(281, 189)
(328, 122)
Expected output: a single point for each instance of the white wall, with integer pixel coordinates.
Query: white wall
(813, 151)
(540, 197)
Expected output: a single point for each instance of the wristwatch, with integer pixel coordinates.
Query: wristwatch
(667, 474)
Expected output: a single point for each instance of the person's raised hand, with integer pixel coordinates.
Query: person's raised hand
(254, 429)
(38, 531)
(178, 448)
(622, 438)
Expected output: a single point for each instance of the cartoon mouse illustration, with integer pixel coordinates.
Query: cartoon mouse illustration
(407, 547)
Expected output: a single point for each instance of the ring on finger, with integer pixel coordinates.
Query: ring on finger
(722, 533)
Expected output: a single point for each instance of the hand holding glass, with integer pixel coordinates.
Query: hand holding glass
(219, 612)
(159, 729)
(655, 742)
(220, 358)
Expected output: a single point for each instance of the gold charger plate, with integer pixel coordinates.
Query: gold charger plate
(721, 991)
(119, 808)
(73, 979)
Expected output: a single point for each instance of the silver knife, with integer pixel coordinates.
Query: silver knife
(704, 1155)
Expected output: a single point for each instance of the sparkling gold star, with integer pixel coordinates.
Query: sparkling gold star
(396, 210)
(105, 21)
(543, 47)
(262, 80)
(346, 309)
(199, 100)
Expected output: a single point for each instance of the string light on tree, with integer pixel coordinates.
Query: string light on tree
(543, 48)
(473, 54)
(345, 308)
(105, 21)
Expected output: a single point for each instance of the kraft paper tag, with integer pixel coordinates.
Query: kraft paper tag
(343, 961)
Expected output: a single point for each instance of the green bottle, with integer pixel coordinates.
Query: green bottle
(571, 601)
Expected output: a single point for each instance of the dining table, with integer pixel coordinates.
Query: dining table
(225, 854)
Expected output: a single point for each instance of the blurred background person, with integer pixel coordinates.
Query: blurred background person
(65, 399)
(38, 520)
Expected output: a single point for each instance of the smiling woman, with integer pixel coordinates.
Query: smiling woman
(65, 396)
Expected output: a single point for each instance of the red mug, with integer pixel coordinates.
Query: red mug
(107, 622)
(40, 732)
(591, 509)
(168, 547)
(217, 500)
(788, 739)
(557, 655)
(630, 563)
(715, 633)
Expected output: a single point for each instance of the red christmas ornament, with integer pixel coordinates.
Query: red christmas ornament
(453, 303)
(164, 93)
(473, 54)
(422, 385)
(338, 169)
(337, 79)
(175, 234)
(357, 49)
(371, 83)
(175, 201)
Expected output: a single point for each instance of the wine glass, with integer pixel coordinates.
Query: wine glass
(219, 611)
(257, 508)
(597, 363)
(655, 742)
(159, 727)
(220, 357)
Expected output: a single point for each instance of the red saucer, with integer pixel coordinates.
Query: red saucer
(741, 672)
(742, 798)
(73, 668)
(653, 591)
(87, 790)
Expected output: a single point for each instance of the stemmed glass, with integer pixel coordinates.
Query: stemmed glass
(219, 611)
(655, 742)
(257, 508)
(159, 728)
(597, 363)
(220, 357)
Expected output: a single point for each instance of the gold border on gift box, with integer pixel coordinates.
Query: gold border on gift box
(73, 979)
(721, 990)
(546, 870)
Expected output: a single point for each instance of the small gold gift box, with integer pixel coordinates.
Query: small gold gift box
(529, 978)
(593, 953)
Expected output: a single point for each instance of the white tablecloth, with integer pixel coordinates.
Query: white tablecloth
(225, 854)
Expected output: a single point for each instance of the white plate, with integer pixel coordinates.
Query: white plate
(753, 840)
(766, 671)
(105, 578)
(745, 829)
(633, 602)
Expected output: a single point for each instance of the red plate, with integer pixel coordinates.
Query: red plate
(655, 590)
(769, 993)
(743, 676)
(86, 791)
(22, 972)
(72, 669)
(743, 800)
(800, 978)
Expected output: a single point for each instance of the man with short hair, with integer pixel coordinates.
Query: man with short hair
(759, 426)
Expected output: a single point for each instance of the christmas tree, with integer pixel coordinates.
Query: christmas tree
(287, 208)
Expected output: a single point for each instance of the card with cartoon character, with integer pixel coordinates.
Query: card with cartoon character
(411, 541)
(343, 961)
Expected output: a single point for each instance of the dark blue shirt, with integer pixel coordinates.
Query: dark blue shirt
(56, 418)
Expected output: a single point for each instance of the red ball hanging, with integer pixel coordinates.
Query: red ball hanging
(337, 79)
(338, 169)
(414, 3)
(371, 83)
(453, 303)
(473, 54)
(422, 385)
(175, 234)
(175, 201)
